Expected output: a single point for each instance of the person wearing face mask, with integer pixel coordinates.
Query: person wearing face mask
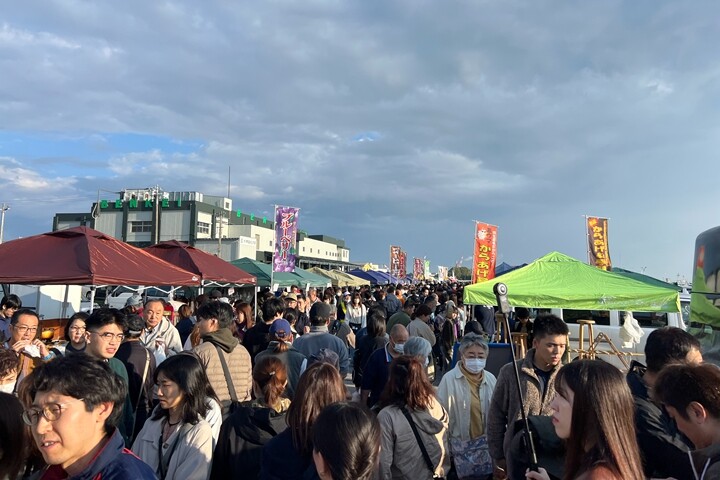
(466, 392)
(375, 374)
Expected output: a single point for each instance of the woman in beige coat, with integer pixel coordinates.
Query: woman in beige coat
(409, 401)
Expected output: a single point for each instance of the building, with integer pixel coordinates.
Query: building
(206, 222)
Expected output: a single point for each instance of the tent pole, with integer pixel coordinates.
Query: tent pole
(65, 302)
(255, 289)
(92, 297)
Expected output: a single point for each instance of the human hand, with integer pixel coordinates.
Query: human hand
(44, 352)
(160, 343)
(500, 470)
(306, 329)
(19, 346)
(541, 474)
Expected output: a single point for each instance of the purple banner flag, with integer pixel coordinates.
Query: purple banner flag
(285, 239)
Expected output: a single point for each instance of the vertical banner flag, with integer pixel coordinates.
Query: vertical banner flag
(598, 251)
(442, 274)
(418, 269)
(485, 252)
(403, 266)
(395, 260)
(426, 271)
(286, 219)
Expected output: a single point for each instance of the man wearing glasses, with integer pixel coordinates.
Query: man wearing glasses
(9, 305)
(72, 406)
(31, 351)
(104, 332)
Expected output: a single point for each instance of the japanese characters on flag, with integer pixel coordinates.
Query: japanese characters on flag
(485, 252)
(285, 252)
(598, 250)
(418, 269)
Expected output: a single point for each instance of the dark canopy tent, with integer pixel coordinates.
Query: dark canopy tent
(370, 275)
(212, 270)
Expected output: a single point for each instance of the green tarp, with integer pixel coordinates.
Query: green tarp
(559, 281)
(338, 278)
(300, 278)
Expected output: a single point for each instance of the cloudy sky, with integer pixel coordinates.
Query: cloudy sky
(386, 122)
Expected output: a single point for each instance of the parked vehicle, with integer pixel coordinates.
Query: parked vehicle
(118, 296)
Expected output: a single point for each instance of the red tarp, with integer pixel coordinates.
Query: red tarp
(208, 267)
(83, 256)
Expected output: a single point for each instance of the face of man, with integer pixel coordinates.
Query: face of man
(549, 350)
(153, 314)
(290, 303)
(70, 439)
(301, 304)
(691, 427)
(25, 329)
(104, 342)
(399, 338)
(312, 295)
(207, 325)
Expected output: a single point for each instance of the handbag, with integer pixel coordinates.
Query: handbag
(472, 457)
(234, 404)
(425, 454)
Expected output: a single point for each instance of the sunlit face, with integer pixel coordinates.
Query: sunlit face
(562, 406)
(169, 393)
(73, 435)
(290, 303)
(9, 311)
(25, 328)
(77, 331)
(104, 342)
(153, 314)
(549, 350)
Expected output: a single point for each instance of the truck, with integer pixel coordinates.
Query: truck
(705, 294)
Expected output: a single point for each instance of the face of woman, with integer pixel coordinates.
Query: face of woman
(474, 359)
(240, 316)
(562, 417)
(77, 332)
(169, 393)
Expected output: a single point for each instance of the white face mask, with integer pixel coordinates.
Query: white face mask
(7, 387)
(474, 365)
(427, 361)
(399, 348)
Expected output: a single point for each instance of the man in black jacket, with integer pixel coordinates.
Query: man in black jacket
(662, 446)
(257, 338)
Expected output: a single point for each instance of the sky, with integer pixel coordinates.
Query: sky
(387, 122)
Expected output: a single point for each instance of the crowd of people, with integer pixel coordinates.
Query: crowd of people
(361, 383)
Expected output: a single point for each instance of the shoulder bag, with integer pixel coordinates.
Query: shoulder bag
(424, 451)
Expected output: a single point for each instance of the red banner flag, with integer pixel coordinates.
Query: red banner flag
(395, 260)
(598, 250)
(418, 269)
(485, 252)
(403, 266)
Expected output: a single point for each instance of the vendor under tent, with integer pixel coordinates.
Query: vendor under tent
(340, 279)
(83, 256)
(560, 281)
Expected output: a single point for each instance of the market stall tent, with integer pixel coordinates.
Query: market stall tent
(338, 278)
(370, 275)
(262, 271)
(559, 281)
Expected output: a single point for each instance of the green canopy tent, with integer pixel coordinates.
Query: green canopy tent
(559, 281)
(645, 278)
(338, 278)
(263, 273)
(310, 279)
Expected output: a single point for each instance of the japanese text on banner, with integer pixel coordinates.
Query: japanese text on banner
(485, 252)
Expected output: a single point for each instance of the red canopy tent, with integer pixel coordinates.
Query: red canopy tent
(212, 270)
(83, 256)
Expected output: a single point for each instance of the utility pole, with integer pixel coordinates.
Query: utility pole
(4, 208)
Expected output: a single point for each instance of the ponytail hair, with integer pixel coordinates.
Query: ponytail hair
(281, 347)
(270, 375)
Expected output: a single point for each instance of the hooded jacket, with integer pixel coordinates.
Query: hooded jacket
(113, 461)
(400, 454)
(662, 447)
(239, 451)
(706, 463)
(238, 362)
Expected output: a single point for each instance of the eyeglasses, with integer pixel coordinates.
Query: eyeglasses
(51, 412)
(107, 336)
(25, 328)
(77, 329)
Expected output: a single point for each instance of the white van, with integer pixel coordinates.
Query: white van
(118, 296)
(610, 323)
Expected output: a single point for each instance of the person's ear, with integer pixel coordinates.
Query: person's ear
(697, 413)
(321, 465)
(103, 411)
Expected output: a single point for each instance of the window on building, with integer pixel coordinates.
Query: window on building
(303, 249)
(141, 227)
(311, 250)
(203, 227)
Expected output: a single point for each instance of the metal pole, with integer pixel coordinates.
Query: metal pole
(4, 208)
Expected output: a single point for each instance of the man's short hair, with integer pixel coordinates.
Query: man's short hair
(8, 362)
(11, 301)
(272, 307)
(549, 325)
(221, 311)
(522, 312)
(23, 311)
(151, 300)
(679, 385)
(105, 316)
(78, 376)
(667, 345)
(134, 325)
(423, 310)
(320, 313)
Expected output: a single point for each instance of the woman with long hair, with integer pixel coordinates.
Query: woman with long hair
(375, 338)
(243, 319)
(320, 385)
(355, 428)
(414, 425)
(176, 441)
(249, 428)
(14, 438)
(356, 313)
(594, 413)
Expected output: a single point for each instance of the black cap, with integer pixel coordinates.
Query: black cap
(320, 310)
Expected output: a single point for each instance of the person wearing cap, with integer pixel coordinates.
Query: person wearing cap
(134, 304)
(319, 337)
(257, 338)
(140, 365)
(214, 320)
(282, 348)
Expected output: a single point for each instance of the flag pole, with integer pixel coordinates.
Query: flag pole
(272, 262)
